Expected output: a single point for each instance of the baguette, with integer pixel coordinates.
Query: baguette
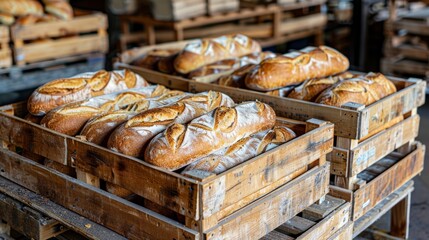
(236, 79)
(59, 8)
(181, 144)
(21, 7)
(295, 67)
(81, 87)
(206, 51)
(311, 88)
(131, 138)
(69, 119)
(363, 90)
(98, 129)
(152, 58)
(243, 150)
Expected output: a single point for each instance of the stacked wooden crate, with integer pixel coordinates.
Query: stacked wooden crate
(271, 24)
(407, 44)
(375, 152)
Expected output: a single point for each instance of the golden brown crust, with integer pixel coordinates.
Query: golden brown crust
(81, 87)
(310, 89)
(152, 58)
(181, 144)
(132, 137)
(236, 79)
(242, 150)
(207, 51)
(7, 19)
(59, 8)
(363, 90)
(21, 7)
(294, 68)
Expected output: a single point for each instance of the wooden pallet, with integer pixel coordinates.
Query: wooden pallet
(403, 66)
(329, 219)
(265, 23)
(208, 205)
(399, 205)
(83, 34)
(381, 179)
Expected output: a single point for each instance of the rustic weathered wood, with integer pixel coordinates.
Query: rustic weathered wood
(261, 217)
(345, 232)
(317, 212)
(135, 221)
(381, 208)
(295, 226)
(389, 181)
(28, 222)
(400, 218)
(341, 193)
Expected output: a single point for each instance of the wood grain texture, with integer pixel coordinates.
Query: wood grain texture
(264, 215)
(135, 222)
(388, 182)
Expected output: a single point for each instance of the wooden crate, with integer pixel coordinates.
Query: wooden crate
(83, 34)
(404, 66)
(175, 10)
(381, 179)
(222, 6)
(329, 219)
(398, 203)
(5, 52)
(211, 205)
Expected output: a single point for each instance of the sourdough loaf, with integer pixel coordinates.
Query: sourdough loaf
(242, 150)
(363, 90)
(181, 144)
(131, 138)
(81, 87)
(69, 119)
(295, 67)
(205, 51)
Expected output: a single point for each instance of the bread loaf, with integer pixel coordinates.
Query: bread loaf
(236, 79)
(295, 67)
(206, 51)
(242, 150)
(363, 90)
(230, 64)
(7, 19)
(21, 7)
(151, 59)
(81, 87)
(311, 88)
(166, 65)
(59, 8)
(282, 92)
(98, 129)
(131, 138)
(69, 119)
(181, 144)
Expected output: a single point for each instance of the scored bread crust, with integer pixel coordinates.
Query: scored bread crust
(131, 137)
(295, 67)
(21, 7)
(363, 90)
(83, 86)
(59, 8)
(242, 150)
(206, 51)
(69, 119)
(311, 88)
(98, 129)
(181, 144)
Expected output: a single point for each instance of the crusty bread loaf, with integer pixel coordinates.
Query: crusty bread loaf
(311, 88)
(206, 51)
(166, 65)
(181, 144)
(236, 79)
(230, 64)
(59, 8)
(7, 19)
(242, 150)
(69, 119)
(131, 138)
(282, 92)
(151, 59)
(98, 129)
(21, 7)
(363, 90)
(295, 67)
(33, 119)
(81, 87)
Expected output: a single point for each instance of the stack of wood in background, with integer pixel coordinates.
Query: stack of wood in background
(407, 43)
(270, 23)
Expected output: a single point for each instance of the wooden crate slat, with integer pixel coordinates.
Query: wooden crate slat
(296, 225)
(160, 186)
(345, 232)
(135, 221)
(80, 24)
(60, 48)
(319, 211)
(258, 219)
(387, 182)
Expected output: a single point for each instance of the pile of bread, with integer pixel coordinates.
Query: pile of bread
(317, 74)
(25, 12)
(170, 129)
